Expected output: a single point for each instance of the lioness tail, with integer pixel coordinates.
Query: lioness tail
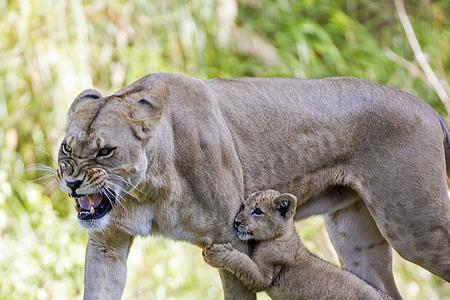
(446, 145)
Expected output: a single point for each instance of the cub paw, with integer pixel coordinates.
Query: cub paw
(216, 255)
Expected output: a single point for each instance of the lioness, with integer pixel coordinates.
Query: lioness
(279, 263)
(174, 155)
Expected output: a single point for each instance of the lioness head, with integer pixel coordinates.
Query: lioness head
(264, 215)
(104, 152)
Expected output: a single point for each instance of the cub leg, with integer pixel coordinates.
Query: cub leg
(233, 287)
(361, 248)
(227, 258)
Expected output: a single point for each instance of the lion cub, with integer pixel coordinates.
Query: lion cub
(280, 264)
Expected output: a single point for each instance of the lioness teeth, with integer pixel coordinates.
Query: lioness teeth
(92, 210)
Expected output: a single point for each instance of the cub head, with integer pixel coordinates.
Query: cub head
(265, 215)
(104, 153)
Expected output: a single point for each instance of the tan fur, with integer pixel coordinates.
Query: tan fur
(279, 264)
(370, 158)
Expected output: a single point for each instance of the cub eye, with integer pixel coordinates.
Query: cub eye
(105, 152)
(66, 149)
(257, 212)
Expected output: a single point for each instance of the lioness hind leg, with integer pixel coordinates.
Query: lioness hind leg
(416, 224)
(361, 248)
(407, 196)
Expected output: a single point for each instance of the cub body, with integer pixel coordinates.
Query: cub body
(279, 263)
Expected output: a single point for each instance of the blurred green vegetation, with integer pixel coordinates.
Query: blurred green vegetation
(52, 50)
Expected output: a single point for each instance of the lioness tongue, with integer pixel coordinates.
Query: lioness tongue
(86, 202)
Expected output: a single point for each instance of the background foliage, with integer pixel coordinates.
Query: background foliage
(51, 50)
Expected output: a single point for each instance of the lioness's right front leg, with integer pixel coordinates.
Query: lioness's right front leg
(233, 288)
(106, 265)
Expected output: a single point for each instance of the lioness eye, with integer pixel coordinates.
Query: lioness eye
(105, 152)
(66, 149)
(242, 207)
(257, 212)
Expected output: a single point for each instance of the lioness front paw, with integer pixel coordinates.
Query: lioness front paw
(216, 255)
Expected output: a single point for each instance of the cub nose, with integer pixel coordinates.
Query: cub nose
(237, 223)
(73, 185)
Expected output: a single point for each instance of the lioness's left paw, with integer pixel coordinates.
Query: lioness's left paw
(217, 254)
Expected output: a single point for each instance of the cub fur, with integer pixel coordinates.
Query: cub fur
(280, 264)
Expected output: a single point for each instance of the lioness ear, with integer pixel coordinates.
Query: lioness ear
(285, 204)
(145, 115)
(85, 95)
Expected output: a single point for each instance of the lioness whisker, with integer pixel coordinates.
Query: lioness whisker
(146, 176)
(120, 198)
(110, 188)
(121, 179)
(127, 182)
(41, 168)
(107, 193)
(44, 177)
(122, 189)
(47, 154)
(51, 186)
(141, 173)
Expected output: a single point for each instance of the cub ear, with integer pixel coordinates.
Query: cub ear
(85, 95)
(146, 113)
(285, 204)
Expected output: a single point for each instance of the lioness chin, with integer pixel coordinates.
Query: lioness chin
(174, 156)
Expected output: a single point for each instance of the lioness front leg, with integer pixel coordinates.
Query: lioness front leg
(233, 287)
(106, 265)
(224, 256)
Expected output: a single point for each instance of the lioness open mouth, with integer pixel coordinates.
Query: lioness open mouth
(94, 206)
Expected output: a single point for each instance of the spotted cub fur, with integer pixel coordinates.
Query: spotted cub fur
(279, 263)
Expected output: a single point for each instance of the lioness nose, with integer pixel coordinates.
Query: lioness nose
(237, 223)
(73, 185)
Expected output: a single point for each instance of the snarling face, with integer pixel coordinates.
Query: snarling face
(264, 215)
(102, 157)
